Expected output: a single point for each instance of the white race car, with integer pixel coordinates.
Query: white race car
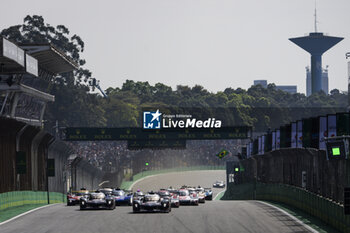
(219, 184)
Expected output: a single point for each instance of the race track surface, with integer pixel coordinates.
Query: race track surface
(211, 217)
(190, 178)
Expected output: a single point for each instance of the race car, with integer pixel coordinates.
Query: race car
(174, 199)
(151, 202)
(201, 194)
(106, 191)
(121, 197)
(195, 195)
(97, 200)
(138, 195)
(186, 199)
(208, 194)
(73, 198)
(219, 184)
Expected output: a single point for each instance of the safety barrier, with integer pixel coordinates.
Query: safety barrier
(325, 209)
(20, 198)
(126, 184)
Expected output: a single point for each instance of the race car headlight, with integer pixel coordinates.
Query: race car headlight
(109, 202)
(164, 204)
(83, 202)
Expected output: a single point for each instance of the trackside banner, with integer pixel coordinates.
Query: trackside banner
(158, 120)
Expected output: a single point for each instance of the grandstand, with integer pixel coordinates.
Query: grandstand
(26, 71)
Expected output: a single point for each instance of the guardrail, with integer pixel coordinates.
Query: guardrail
(20, 198)
(127, 184)
(318, 206)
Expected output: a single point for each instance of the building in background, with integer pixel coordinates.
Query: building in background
(263, 83)
(292, 89)
(324, 83)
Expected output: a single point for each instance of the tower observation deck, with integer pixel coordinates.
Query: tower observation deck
(316, 43)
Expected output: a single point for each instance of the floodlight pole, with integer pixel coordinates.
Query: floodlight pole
(47, 170)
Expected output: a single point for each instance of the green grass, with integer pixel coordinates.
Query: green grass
(218, 197)
(14, 211)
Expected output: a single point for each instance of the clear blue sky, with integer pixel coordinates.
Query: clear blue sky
(214, 43)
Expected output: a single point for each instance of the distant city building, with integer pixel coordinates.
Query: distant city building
(263, 83)
(292, 89)
(324, 82)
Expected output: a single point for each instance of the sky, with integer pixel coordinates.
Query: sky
(213, 43)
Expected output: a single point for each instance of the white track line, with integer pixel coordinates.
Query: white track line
(28, 212)
(291, 216)
(218, 194)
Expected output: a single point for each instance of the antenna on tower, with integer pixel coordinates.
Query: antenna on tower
(315, 17)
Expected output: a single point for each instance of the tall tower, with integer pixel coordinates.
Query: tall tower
(316, 43)
(347, 55)
(324, 80)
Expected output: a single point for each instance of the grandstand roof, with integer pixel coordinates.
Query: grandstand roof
(50, 58)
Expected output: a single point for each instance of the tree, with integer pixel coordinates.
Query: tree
(73, 104)
(35, 30)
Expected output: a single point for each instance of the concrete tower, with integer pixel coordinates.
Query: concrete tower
(316, 43)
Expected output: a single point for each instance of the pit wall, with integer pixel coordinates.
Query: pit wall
(30, 187)
(38, 146)
(300, 177)
(325, 209)
(323, 177)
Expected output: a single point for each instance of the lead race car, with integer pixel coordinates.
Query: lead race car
(97, 200)
(151, 202)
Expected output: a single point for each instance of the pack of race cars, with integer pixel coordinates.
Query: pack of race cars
(162, 200)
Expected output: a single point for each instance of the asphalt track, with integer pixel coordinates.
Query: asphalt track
(211, 217)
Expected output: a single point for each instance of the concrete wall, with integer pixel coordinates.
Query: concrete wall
(16, 137)
(84, 175)
(59, 151)
(286, 166)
